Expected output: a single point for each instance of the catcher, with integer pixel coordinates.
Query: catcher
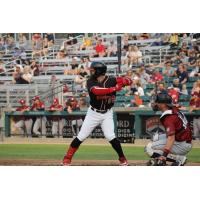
(173, 145)
(102, 91)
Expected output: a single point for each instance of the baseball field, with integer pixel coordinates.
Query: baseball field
(91, 153)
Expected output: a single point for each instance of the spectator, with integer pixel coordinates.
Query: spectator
(196, 71)
(81, 78)
(174, 39)
(144, 76)
(184, 89)
(176, 60)
(27, 76)
(45, 46)
(16, 53)
(184, 48)
(61, 54)
(159, 88)
(168, 70)
(192, 59)
(35, 68)
(112, 49)
(174, 92)
(182, 74)
(82, 103)
(10, 42)
(137, 87)
(183, 57)
(156, 76)
(144, 36)
(74, 66)
(37, 43)
(22, 40)
(87, 43)
(133, 56)
(50, 37)
(22, 56)
(100, 49)
(2, 44)
(17, 75)
(125, 47)
(2, 68)
(137, 101)
(176, 84)
(195, 105)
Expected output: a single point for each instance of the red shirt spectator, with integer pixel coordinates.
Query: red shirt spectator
(173, 92)
(100, 48)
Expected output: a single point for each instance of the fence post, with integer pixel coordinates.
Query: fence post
(7, 96)
(160, 55)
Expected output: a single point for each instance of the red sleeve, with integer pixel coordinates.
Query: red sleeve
(169, 124)
(119, 80)
(102, 91)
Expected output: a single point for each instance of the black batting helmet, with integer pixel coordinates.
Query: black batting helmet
(164, 98)
(99, 68)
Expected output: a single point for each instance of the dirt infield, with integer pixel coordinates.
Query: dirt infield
(33, 162)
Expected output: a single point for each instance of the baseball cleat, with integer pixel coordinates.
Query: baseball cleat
(181, 162)
(66, 161)
(123, 161)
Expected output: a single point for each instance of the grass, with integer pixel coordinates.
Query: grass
(86, 152)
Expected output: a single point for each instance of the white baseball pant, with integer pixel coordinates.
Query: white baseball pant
(196, 127)
(159, 142)
(58, 125)
(40, 123)
(24, 124)
(93, 119)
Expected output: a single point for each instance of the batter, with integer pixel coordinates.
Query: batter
(102, 91)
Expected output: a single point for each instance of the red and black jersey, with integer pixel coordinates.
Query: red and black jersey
(21, 109)
(175, 122)
(101, 101)
(38, 106)
(57, 107)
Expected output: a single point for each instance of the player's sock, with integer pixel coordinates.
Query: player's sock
(117, 147)
(73, 148)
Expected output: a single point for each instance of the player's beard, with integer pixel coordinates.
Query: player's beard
(154, 107)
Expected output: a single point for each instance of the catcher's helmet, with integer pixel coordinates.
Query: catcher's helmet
(164, 98)
(99, 68)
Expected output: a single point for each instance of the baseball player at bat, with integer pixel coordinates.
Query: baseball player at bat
(175, 143)
(102, 91)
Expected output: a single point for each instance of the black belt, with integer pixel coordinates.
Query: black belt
(99, 111)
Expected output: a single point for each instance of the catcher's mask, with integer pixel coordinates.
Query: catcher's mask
(161, 99)
(97, 69)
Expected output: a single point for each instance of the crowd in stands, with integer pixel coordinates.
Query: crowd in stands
(172, 75)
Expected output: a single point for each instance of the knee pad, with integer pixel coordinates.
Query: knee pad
(148, 149)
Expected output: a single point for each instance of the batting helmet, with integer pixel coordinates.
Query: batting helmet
(99, 68)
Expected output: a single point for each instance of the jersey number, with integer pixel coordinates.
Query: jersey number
(183, 119)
